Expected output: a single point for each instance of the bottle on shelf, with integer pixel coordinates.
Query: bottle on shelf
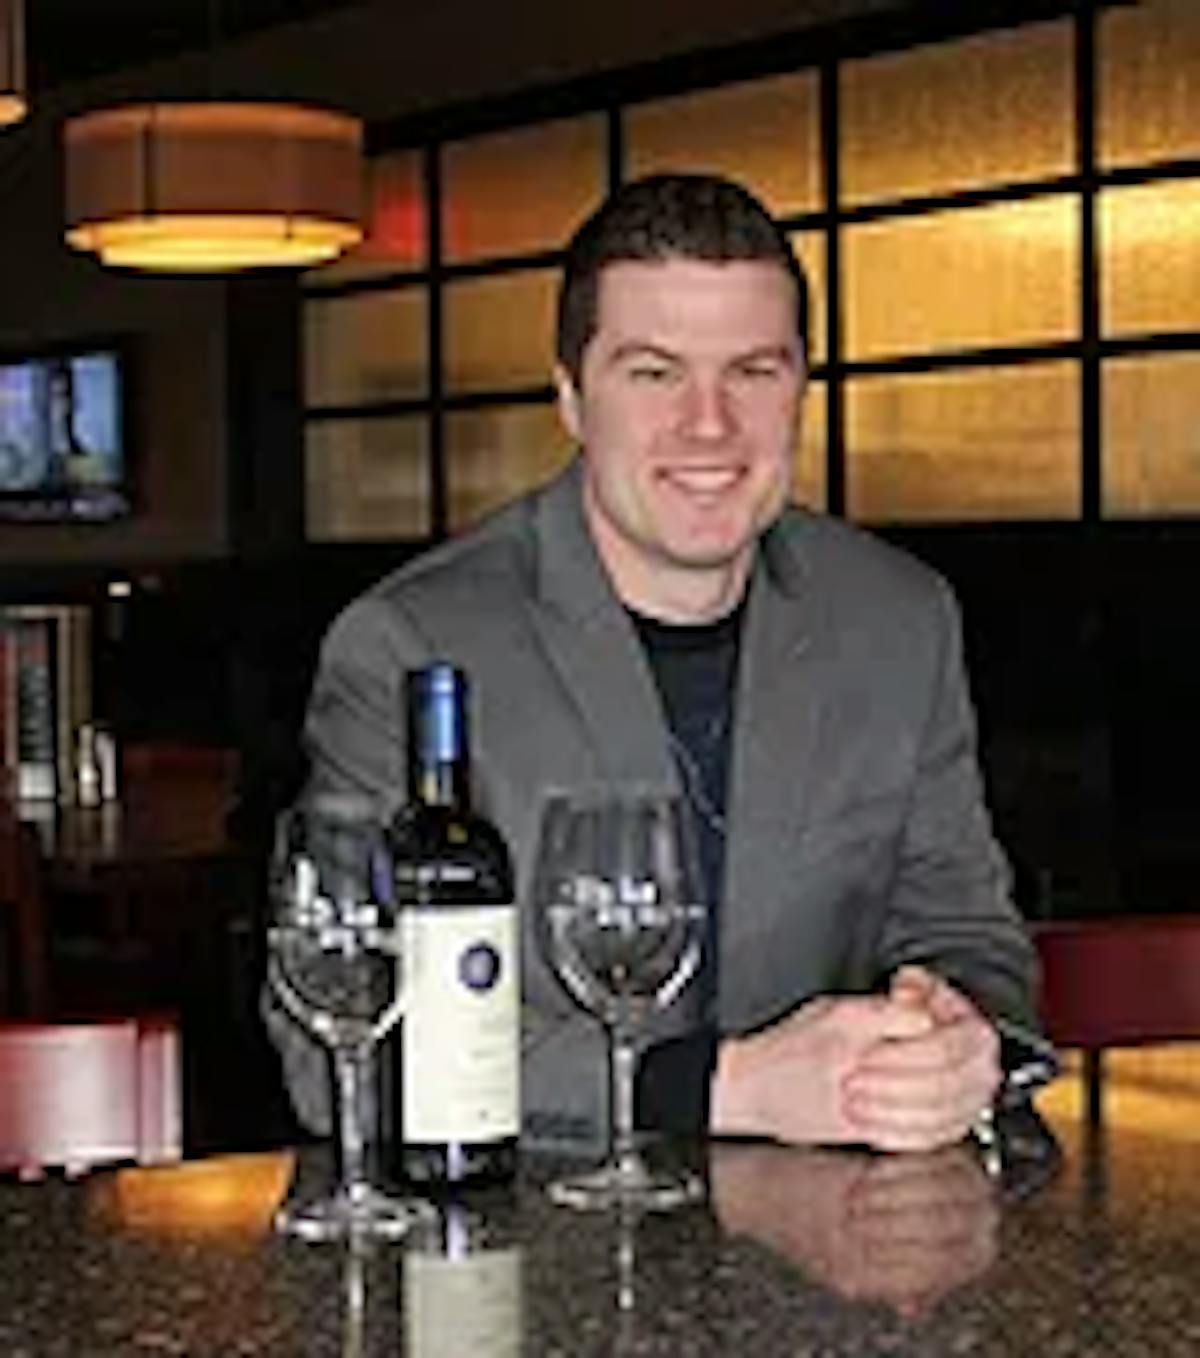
(456, 1099)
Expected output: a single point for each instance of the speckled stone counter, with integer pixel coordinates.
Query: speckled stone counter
(799, 1253)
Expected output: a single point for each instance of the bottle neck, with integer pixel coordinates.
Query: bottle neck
(439, 760)
(444, 783)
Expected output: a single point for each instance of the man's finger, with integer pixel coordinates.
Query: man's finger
(969, 1086)
(912, 984)
(929, 1117)
(918, 1110)
(915, 985)
(946, 1047)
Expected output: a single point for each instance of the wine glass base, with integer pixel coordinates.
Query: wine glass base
(364, 1212)
(632, 1185)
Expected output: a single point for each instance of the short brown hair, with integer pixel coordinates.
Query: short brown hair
(667, 216)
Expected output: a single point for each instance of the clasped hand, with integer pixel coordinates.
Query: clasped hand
(906, 1071)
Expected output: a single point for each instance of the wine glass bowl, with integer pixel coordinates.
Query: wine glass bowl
(335, 962)
(620, 951)
(336, 957)
(620, 920)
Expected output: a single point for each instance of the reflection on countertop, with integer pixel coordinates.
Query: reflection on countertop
(799, 1252)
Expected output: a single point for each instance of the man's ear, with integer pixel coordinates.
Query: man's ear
(570, 407)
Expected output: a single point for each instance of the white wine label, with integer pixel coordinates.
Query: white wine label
(470, 1305)
(461, 1018)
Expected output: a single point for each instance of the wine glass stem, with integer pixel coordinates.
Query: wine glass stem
(348, 1065)
(623, 1062)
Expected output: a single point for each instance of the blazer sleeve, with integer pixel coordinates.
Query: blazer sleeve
(951, 906)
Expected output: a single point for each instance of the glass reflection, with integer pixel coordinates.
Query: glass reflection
(354, 1298)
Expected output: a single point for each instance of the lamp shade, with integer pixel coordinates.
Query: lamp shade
(12, 61)
(213, 187)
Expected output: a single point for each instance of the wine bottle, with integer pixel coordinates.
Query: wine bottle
(457, 1087)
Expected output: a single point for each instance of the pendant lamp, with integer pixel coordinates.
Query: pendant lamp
(213, 187)
(12, 61)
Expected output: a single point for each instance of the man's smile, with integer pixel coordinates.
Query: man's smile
(702, 482)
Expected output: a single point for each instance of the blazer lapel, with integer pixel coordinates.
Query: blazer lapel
(779, 714)
(592, 645)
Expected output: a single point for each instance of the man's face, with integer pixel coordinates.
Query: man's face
(686, 408)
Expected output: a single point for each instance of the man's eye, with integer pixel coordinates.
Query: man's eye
(759, 371)
(650, 372)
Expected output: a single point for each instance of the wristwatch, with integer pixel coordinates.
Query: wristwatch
(1028, 1061)
(1008, 1153)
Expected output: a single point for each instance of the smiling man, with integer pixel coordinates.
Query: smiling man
(660, 612)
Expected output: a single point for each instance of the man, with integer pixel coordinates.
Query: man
(660, 613)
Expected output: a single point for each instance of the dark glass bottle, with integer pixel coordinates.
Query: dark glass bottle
(456, 1091)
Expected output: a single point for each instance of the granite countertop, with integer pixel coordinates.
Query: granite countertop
(808, 1254)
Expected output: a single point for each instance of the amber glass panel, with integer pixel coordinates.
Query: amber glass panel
(1005, 274)
(365, 347)
(512, 192)
(810, 250)
(1149, 94)
(367, 479)
(978, 444)
(764, 133)
(1152, 434)
(1150, 270)
(810, 480)
(396, 222)
(494, 455)
(958, 114)
(500, 331)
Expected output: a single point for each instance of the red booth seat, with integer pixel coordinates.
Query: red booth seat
(80, 1094)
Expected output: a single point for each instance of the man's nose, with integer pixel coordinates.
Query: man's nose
(707, 410)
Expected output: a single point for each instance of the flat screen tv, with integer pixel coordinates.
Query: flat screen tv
(63, 448)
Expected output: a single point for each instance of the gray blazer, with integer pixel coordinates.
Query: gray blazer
(858, 837)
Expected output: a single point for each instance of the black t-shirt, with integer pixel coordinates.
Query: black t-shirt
(695, 670)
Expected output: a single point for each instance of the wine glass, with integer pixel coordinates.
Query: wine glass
(620, 919)
(335, 959)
